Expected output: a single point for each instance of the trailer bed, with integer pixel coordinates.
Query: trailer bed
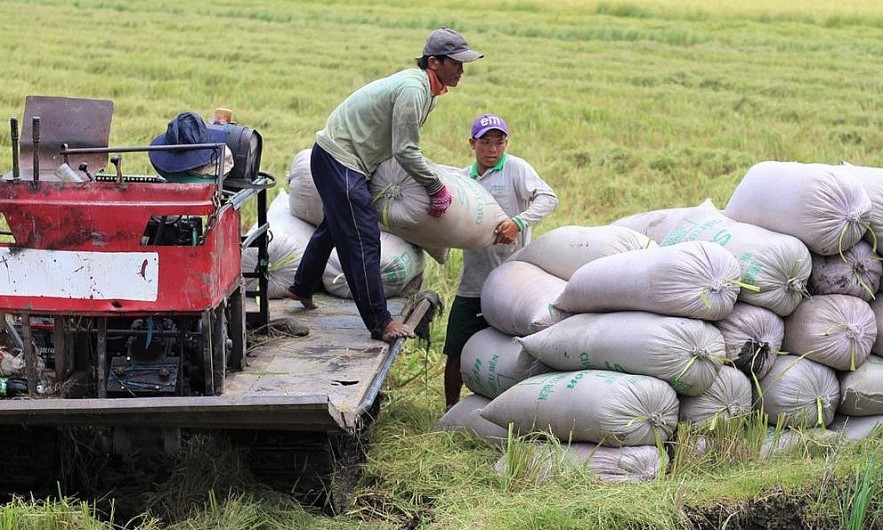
(324, 381)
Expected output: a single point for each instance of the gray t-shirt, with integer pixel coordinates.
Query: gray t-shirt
(520, 191)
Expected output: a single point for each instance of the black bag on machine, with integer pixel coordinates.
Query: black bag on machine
(245, 143)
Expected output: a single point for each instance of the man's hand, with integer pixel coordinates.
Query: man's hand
(506, 232)
(439, 202)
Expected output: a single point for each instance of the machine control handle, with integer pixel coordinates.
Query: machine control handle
(36, 129)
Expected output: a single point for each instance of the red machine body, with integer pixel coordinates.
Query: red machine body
(81, 249)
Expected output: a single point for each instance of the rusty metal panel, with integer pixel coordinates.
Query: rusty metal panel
(77, 122)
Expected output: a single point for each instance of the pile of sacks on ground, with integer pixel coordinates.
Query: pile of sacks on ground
(606, 337)
(408, 232)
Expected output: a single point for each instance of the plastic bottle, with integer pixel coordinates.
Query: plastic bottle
(13, 386)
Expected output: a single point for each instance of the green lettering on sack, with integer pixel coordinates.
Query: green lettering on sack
(585, 360)
(575, 379)
(679, 384)
(722, 237)
(615, 367)
(750, 268)
(491, 372)
(476, 370)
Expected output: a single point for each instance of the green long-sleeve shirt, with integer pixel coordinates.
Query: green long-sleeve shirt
(380, 121)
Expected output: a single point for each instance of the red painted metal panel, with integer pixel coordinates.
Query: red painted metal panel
(94, 215)
(104, 217)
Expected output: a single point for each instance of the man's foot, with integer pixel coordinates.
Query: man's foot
(306, 301)
(396, 330)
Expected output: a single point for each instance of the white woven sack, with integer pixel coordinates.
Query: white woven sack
(492, 362)
(791, 441)
(400, 262)
(802, 392)
(854, 428)
(403, 208)
(517, 297)
(465, 416)
(753, 338)
(861, 391)
(693, 280)
(303, 198)
(655, 224)
(836, 330)
(562, 251)
(729, 396)
(824, 206)
(290, 236)
(608, 464)
(607, 408)
(857, 272)
(871, 179)
(778, 265)
(684, 352)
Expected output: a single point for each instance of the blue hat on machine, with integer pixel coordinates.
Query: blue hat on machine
(186, 128)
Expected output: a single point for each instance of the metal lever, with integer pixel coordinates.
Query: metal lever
(117, 161)
(36, 128)
(13, 124)
(84, 167)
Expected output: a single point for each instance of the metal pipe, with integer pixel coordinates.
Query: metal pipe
(139, 149)
(16, 172)
(36, 130)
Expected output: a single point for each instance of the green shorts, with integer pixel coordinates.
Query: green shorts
(464, 321)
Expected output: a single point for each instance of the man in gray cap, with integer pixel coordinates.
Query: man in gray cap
(377, 122)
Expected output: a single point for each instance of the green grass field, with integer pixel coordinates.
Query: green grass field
(622, 107)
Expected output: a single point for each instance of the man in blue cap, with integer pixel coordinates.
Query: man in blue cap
(526, 199)
(377, 122)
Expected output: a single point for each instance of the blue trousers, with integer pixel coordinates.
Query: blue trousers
(352, 227)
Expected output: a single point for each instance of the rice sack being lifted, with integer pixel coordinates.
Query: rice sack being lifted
(694, 280)
(824, 206)
(303, 197)
(729, 396)
(753, 338)
(403, 205)
(492, 362)
(802, 392)
(836, 330)
(856, 272)
(777, 265)
(686, 353)
(563, 250)
(599, 406)
(861, 391)
(517, 297)
(608, 464)
(285, 248)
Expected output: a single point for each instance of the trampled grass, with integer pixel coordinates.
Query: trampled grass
(622, 107)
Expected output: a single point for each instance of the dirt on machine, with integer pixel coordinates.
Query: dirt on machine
(131, 325)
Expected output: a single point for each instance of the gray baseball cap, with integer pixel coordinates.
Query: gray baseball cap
(447, 42)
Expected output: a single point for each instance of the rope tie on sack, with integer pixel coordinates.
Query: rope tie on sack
(655, 419)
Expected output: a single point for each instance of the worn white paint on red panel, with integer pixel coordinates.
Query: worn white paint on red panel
(79, 274)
